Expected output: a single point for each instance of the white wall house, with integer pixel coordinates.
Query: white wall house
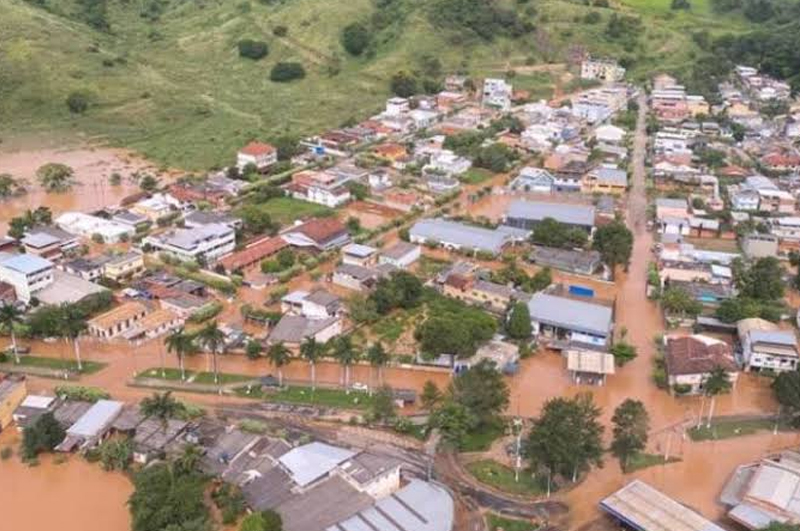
(27, 273)
(207, 243)
(259, 154)
(87, 226)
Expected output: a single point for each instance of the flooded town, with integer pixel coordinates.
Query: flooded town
(473, 310)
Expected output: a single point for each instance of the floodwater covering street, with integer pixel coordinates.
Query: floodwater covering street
(74, 495)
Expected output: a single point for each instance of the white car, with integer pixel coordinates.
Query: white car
(359, 386)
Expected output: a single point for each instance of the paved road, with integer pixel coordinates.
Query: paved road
(637, 197)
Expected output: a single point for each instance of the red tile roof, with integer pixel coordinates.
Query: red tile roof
(320, 230)
(253, 253)
(689, 355)
(257, 148)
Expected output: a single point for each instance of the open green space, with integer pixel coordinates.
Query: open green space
(305, 395)
(203, 378)
(502, 478)
(166, 78)
(286, 210)
(475, 176)
(645, 460)
(725, 429)
(499, 523)
(88, 367)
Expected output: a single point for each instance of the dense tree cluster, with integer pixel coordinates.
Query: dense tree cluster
(168, 496)
(252, 49)
(453, 327)
(483, 18)
(284, 72)
(552, 233)
(356, 37)
(614, 242)
(42, 436)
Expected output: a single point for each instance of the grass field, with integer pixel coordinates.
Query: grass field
(285, 210)
(499, 523)
(176, 90)
(319, 397)
(725, 429)
(645, 460)
(502, 478)
(88, 367)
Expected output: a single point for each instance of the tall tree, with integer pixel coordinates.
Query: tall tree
(454, 421)
(346, 355)
(786, 387)
(631, 424)
(519, 322)
(378, 358)
(10, 316)
(213, 339)
(55, 177)
(717, 383)
(762, 281)
(312, 351)
(483, 391)
(181, 344)
(73, 323)
(279, 356)
(614, 242)
(161, 406)
(566, 438)
(431, 396)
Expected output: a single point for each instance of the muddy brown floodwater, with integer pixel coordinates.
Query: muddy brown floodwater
(93, 167)
(71, 496)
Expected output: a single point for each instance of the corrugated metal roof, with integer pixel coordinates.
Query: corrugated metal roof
(453, 233)
(27, 263)
(570, 313)
(96, 419)
(582, 215)
(310, 462)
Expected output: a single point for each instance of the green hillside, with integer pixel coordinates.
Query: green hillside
(171, 84)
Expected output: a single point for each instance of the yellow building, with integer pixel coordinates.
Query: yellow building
(12, 392)
(124, 267)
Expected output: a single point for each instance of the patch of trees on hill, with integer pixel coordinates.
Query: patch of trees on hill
(483, 18)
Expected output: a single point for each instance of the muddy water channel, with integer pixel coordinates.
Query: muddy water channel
(71, 496)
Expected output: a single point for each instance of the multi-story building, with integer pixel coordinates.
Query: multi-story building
(27, 273)
(259, 154)
(602, 70)
(202, 244)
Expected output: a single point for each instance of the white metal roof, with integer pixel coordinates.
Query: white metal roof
(310, 462)
(96, 419)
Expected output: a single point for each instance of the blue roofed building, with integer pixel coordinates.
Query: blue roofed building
(28, 273)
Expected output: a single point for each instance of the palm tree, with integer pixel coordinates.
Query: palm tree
(280, 356)
(10, 315)
(73, 323)
(378, 358)
(346, 355)
(311, 351)
(716, 384)
(161, 406)
(212, 338)
(182, 344)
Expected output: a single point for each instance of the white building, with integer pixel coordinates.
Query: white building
(87, 226)
(448, 163)
(610, 134)
(207, 243)
(27, 273)
(766, 347)
(397, 106)
(259, 154)
(497, 93)
(400, 255)
(602, 69)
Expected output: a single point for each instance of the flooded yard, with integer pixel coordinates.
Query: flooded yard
(72, 496)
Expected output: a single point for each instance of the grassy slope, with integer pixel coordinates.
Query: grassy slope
(187, 99)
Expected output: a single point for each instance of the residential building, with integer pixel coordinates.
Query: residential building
(28, 273)
(360, 255)
(12, 392)
(128, 217)
(31, 408)
(569, 260)
(252, 254)
(527, 214)
(201, 218)
(766, 347)
(454, 235)
(494, 297)
(610, 134)
(49, 242)
(690, 360)
(259, 154)
(602, 70)
(321, 187)
(294, 329)
(357, 277)
(445, 162)
(639, 506)
(86, 268)
(605, 180)
(589, 366)
(205, 244)
(765, 491)
(92, 427)
(114, 322)
(155, 324)
(124, 266)
(89, 226)
(66, 288)
(318, 304)
(533, 180)
(322, 234)
(497, 93)
(155, 207)
(400, 255)
(575, 320)
(760, 245)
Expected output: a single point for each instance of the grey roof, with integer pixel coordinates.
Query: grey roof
(582, 215)
(582, 316)
(70, 411)
(190, 238)
(310, 462)
(567, 259)
(295, 328)
(126, 216)
(329, 502)
(121, 258)
(459, 234)
(775, 337)
(356, 249)
(40, 239)
(419, 506)
(666, 202)
(202, 217)
(67, 288)
(611, 175)
(322, 297)
(366, 466)
(27, 263)
(399, 250)
(98, 418)
(358, 272)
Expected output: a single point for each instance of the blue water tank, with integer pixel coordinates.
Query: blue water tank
(581, 291)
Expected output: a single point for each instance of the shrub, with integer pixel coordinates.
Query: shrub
(251, 49)
(81, 393)
(284, 72)
(355, 38)
(280, 31)
(78, 102)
